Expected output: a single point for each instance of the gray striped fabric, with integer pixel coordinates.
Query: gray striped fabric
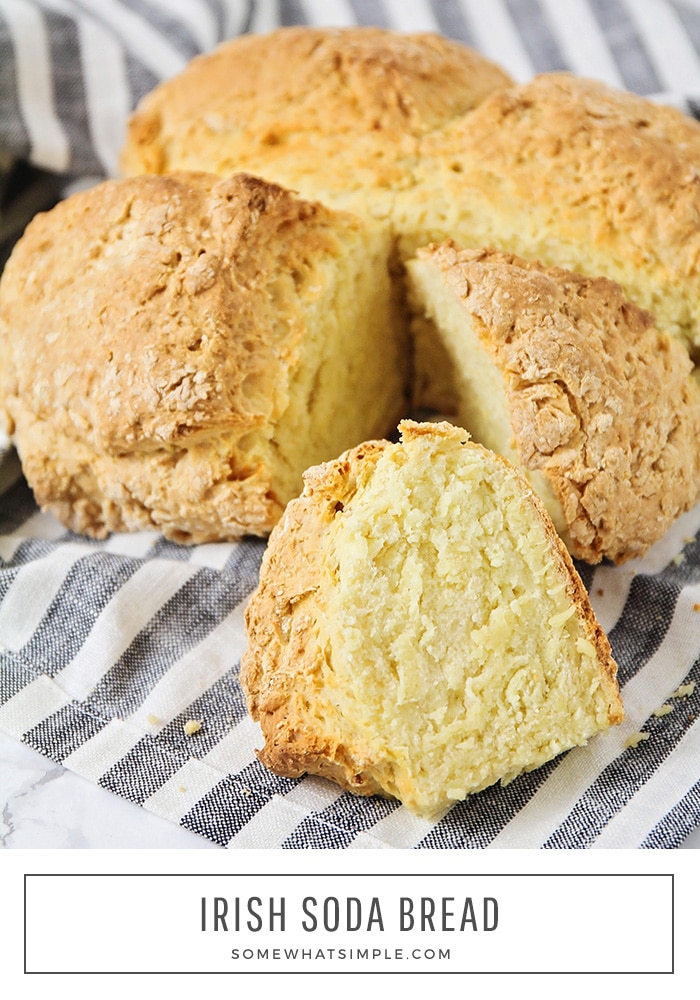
(109, 648)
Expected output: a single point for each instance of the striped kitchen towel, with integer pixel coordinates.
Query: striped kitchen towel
(119, 658)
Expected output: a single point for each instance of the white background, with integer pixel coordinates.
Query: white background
(546, 923)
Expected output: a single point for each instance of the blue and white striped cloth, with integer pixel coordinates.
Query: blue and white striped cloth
(110, 648)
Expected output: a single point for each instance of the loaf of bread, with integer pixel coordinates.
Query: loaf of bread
(335, 114)
(573, 173)
(175, 351)
(566, 378)
(419, 630)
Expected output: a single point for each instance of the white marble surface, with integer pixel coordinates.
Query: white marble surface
(46, 806)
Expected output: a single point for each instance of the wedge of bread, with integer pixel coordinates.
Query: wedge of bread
(419, 630)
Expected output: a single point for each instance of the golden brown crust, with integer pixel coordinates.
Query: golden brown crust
(342, 107)
(282, 669)
(423, 130)
(599, 400)
(282, 666)
(147, 332)
(582, 175)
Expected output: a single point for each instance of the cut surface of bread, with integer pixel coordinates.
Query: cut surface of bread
(569, 380)
(419, 630)
(333, 111)
(173, 351)
(574, 173)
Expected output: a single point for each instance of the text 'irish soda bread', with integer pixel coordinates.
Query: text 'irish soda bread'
(565, 377)
(573, 173)
(419, 630)
(173, 351)
(334, 113)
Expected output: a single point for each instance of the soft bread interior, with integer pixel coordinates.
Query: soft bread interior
(457, 376)
(348, 378)
(458, 650)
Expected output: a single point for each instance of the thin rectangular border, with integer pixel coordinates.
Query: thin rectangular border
(349, 972)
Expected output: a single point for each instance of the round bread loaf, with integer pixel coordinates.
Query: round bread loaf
(333, 113)
(566, 378)
(573, 173)
(419, 630)
(415, 128)
(175, 351)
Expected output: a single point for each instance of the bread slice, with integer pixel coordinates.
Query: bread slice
(175, 351)
(566, 378)
(574, 173)
(334, 113)
(419, 630)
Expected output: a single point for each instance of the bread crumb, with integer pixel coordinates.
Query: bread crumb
(153, 720)
(635, 739)
(677, 560)
(664, 710)
(696, 607)
(684, 691)
(192, 726)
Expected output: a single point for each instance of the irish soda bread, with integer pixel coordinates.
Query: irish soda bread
(173, 351)
(419, 630)
(563, 376)
(179, 351)
(334, 112)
